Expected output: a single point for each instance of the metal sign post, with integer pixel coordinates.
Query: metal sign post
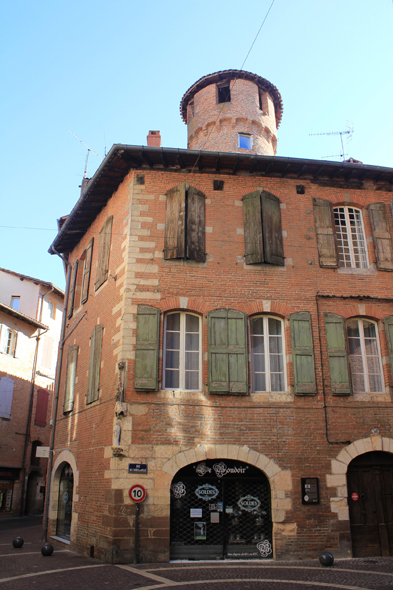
(137, 494)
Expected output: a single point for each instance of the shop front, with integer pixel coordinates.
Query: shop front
(220, 509)
(8, 475)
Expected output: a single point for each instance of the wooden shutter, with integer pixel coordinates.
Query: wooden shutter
(227, 351)
(41, 407)
(72, 292)
(174, 245)
(6, 393)
(104, 252)
(326, 237)
(337, 351)
(381, 236)
(93, 378)
(253, 239)
(272, 232)
(195, 225)
(389, 337)
(303, 353)
(72, 359)
(146, 350)
(86, 271)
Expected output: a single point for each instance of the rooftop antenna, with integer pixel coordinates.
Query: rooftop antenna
(88, 151)
(348, 132)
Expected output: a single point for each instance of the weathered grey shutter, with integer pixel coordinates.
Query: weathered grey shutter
(381, 236)
(227, 351)
(147, 347)
(104, 252)
(86, 271)
(72, 359)
(272, 232)
(195, 225)
(93, 378)
(389, 337)
(337, 351)
(174, 244)
(6, 393)
(72, 292)
(303, 353)
(253, 239)
(326, 237)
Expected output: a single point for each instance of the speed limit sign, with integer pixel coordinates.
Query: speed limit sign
(137, 493)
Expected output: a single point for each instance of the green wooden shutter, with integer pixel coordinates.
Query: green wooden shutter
(303, 353)
(195, 225)
(174, 244)
(337, 351)
(253, 239)
(147, 348)
(272, 232)
(72, 359)
(71, 298)
(86, 271)
(326, 237)
(93, 378)
(381, 236)
(389, 337)
(104, 252)
(227, 351)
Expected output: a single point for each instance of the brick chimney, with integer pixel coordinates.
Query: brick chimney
(154, 139)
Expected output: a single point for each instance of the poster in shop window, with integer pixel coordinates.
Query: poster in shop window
(200, 531)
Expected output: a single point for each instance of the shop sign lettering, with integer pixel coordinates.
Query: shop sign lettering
(249, 503)
(206, 492)
(220, 469)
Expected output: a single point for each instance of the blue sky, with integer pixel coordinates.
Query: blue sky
(109, 72)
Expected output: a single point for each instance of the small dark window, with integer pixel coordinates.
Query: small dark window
(140, 179)
(300, 190)
(260, 93)
(218, 185)
(224, 93)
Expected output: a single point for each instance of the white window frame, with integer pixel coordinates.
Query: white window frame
(182, 351)
(267, 353)
(361, 249)
(14, 299)
(51, 309)
(9, 340)
(247, 136)
(365, 356)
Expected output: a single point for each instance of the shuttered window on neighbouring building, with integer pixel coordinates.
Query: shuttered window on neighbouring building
(227, 352)
(326, 237)
(72, 359)
(71, 298)
(303, 353)
(86, 271)
(146, 350)
(41, 407)
(381, 236)
(262, 229)
(104, 252)
(337, 352)
(185, 224)
(93, 377)
(6, 394)
(388, 322)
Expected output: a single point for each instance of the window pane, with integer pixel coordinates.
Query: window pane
(358, 383)
(275, 344)
(375, 383)
(172, 379)
(353, 328)
(371, 346)
(192, 378)
(354, 345)
(259, 363)
(276, 363)
(369, 330)
(274, 327)
(257, 344)
(173, 321)
(192, 361)
(172, 359)
(259, 382)
(173, 340)
(192, 341)
(257, 326)
(277, 380)
(192, 323)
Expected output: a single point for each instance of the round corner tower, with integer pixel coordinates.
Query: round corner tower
(232, 111)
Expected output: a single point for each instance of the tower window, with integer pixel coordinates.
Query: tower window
(224, 93)
(244, 141)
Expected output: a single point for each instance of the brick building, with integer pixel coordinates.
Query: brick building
(230, 346)
(30, 322)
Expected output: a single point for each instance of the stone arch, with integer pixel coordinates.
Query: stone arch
(338, 477)
(63, 458)
(280, 480)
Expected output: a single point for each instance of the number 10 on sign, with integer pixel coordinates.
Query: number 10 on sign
(137, 493)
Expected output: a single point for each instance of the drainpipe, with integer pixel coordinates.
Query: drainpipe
(56, 403)
(28, 425)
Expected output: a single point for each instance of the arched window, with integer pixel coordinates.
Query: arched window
(182, 351)
(64, 510)
(365, 356)
(267, 354)
(351, 244)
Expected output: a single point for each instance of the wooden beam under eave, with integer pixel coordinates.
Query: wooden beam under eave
(146, 160)
(301, 170)
(318, 172)
(180, 161)
(235, 166)
(283, 173)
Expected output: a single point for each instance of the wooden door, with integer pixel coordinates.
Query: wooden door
(370, 498)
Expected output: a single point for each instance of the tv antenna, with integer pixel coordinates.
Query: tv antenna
(348, 132)
(88, 151)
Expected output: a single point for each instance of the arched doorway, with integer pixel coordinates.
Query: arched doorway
(31, 494)
(64, 509)
(370, 499)
(220, 508)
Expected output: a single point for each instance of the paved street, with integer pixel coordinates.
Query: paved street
(27, 569)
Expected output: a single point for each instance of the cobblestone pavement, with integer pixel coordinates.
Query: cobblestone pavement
(27, 569)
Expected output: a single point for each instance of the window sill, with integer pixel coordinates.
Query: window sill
(357, 271)
(181, 262)
(61, 540)
(371, 397)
